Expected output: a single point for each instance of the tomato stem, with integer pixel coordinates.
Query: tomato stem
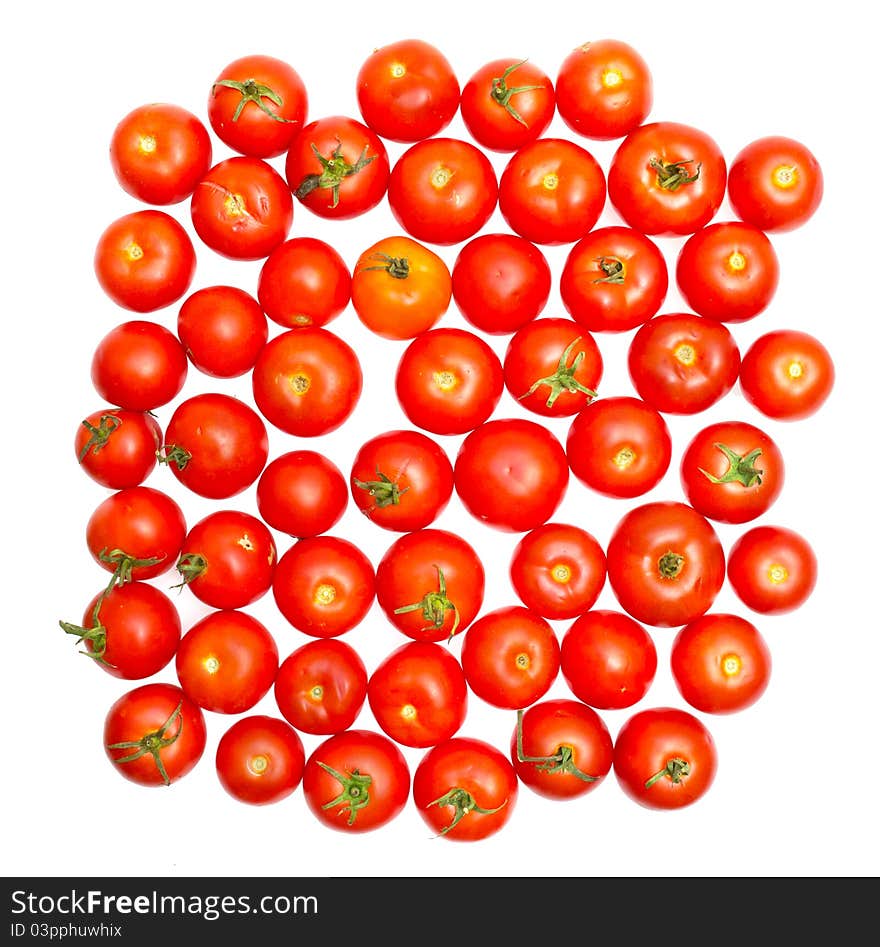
(434, 607)
(672, 174)
(173, 454)
(252, 91)
(676, 768)
(100, 435)
(463, 803)
(612, 268)
(562, 760)
(355, 794)
(153, 743)
(563, 378)
(670, 564)
(124, 563)
(396, 266)
(384, 491)
(190, 565)
(333, 171)
(502, 93)
(740, 468)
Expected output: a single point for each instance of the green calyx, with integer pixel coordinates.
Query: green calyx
(675, 770)
(563, 378)
(561, 762)
(123, 565)
(190, 565)
(172, 454)
(355, 793)
(671, 175)
(670, 564)
(502, 93)
(741, 468)
(384, 491)
(434, 607)
(153, 743)
(396, 266)
(100, 435)
(334, 170)
(612, 268)
(463, 803)
(253, 91)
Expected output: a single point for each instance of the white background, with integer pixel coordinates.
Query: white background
(797, 784)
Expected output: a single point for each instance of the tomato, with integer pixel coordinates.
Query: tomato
(561, 749)
(620, 446)
(131, 631)
(720, 663)
(727, 271)
(356, 781)
(430, 584)
(732, 471)
(227, 559)
(401, 480)
(260, 760)
(307, 381)
(667, 178)
(604, 89)
(681, 363)
(510, 656)
(551, 191)
(303, 282)
(223, 330)
(257, 104)
(400, 288)
(215, 445)
(442, 190)
(507, 103)
(301, 493)
(144, 260)
(552, 367)
(136, 533)
(664, 758)
(448, 380)
(242, 208)
(117, 447)
(418, 694)
(665, 563)
(558, 570)
(608, 659)
(500, 282)
(159, 152)
(775, 183)
(772, 569)
(465, 789)
(154, 734)
(787, 374)
(613, 279)
(324, 586)
(321, 686)
(407, 90)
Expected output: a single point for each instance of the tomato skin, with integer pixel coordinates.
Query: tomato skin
(117, 447)
(646, 744)
(301, 493)
(260, 760)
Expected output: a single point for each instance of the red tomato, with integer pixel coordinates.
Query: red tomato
(775, 183)
(407, 90)
(117, 447)
(561, 749)
(257, 104)
(551, 191)
(159, 152)
(667, 178)
(664, 758)
(418, 694)
(324, 586)
(552, 367)
(401, 480)
(772, 569)
(787, 374)
(732, 471)
(442, 190)
(608, 660)
(260, 760)
(665, 563)
(356, 781)
(145, 260)
(227, 661)
(154, 734)
(302, 493)
(465, 789)
(558, 570)
(307, 381)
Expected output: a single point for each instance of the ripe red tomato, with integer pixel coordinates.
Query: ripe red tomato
(667, 178)
(260, 760)
(681, 363)
(117, 447)
(307, 381)
(620, 446)
(561, 749)
(558, 570)
(159, 152)
(665, 563)
(154, 734)
(772, 569)
(356, 781)
(407, 90)
(442, 190)
(732, 471)
(775, 183)
(257, 104)
(664, 758)
(608, 660)
(552, 191)
(418, 694)
(301, 493)
(227, 661)
(465, 789)
(145, 260)
(787, 374)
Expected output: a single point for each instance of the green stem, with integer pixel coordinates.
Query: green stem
(384, 491)
(464, 803)
(252, 91)
(396, 266)
(675, 769)
(434, 607)
(334, 170)
(563, 378)
(100, 435)
(355, 793)
(153, 743)
(562, 760)
(612, 268)
(190, 565)
(740, 468)
(672, 174)
(173, 454)
(502, 93)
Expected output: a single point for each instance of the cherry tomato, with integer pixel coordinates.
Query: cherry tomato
(117, 447)
(301, 493)
(260, 760)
